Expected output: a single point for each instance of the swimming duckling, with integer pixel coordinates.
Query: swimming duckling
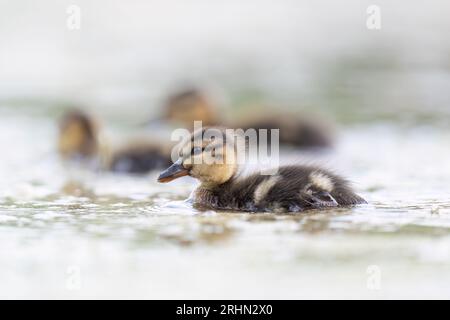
(302, 131)
(139, 157)
(185, 107)
(79, 141)
(78, 137)
(291, 189)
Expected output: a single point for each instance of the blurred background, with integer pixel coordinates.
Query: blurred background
(124, 59)
(67, 233)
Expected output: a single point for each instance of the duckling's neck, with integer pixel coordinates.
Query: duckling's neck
(208, 194)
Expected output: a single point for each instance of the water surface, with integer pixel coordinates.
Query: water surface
(68, 233)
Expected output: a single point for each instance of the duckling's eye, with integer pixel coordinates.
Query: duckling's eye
(197, 150)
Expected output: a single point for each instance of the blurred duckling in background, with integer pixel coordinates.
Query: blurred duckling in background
(191, 105)
(291, 189)
(301, 132)
(79, 141)
(139, 157)
(187, 106)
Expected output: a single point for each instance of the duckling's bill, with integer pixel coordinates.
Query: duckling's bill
(175, 171)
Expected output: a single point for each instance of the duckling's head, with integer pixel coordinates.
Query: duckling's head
(189, 106)
(209, 155)
(77, 135)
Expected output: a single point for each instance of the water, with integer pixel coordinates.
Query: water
(67, 233)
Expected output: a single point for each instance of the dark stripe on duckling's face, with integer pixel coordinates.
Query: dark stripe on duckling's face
(204, 156)
(208, 145)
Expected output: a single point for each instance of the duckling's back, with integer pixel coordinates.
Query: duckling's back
(298, 132)
(139, 159)
(292, 189)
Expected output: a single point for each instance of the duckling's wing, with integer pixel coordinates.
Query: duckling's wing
(322, 199)
(348, 198)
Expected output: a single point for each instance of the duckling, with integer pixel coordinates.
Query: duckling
(79, 141)
(185, 107)
(303, 131)
(293, 188)
(78, 137)
(139, 157)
